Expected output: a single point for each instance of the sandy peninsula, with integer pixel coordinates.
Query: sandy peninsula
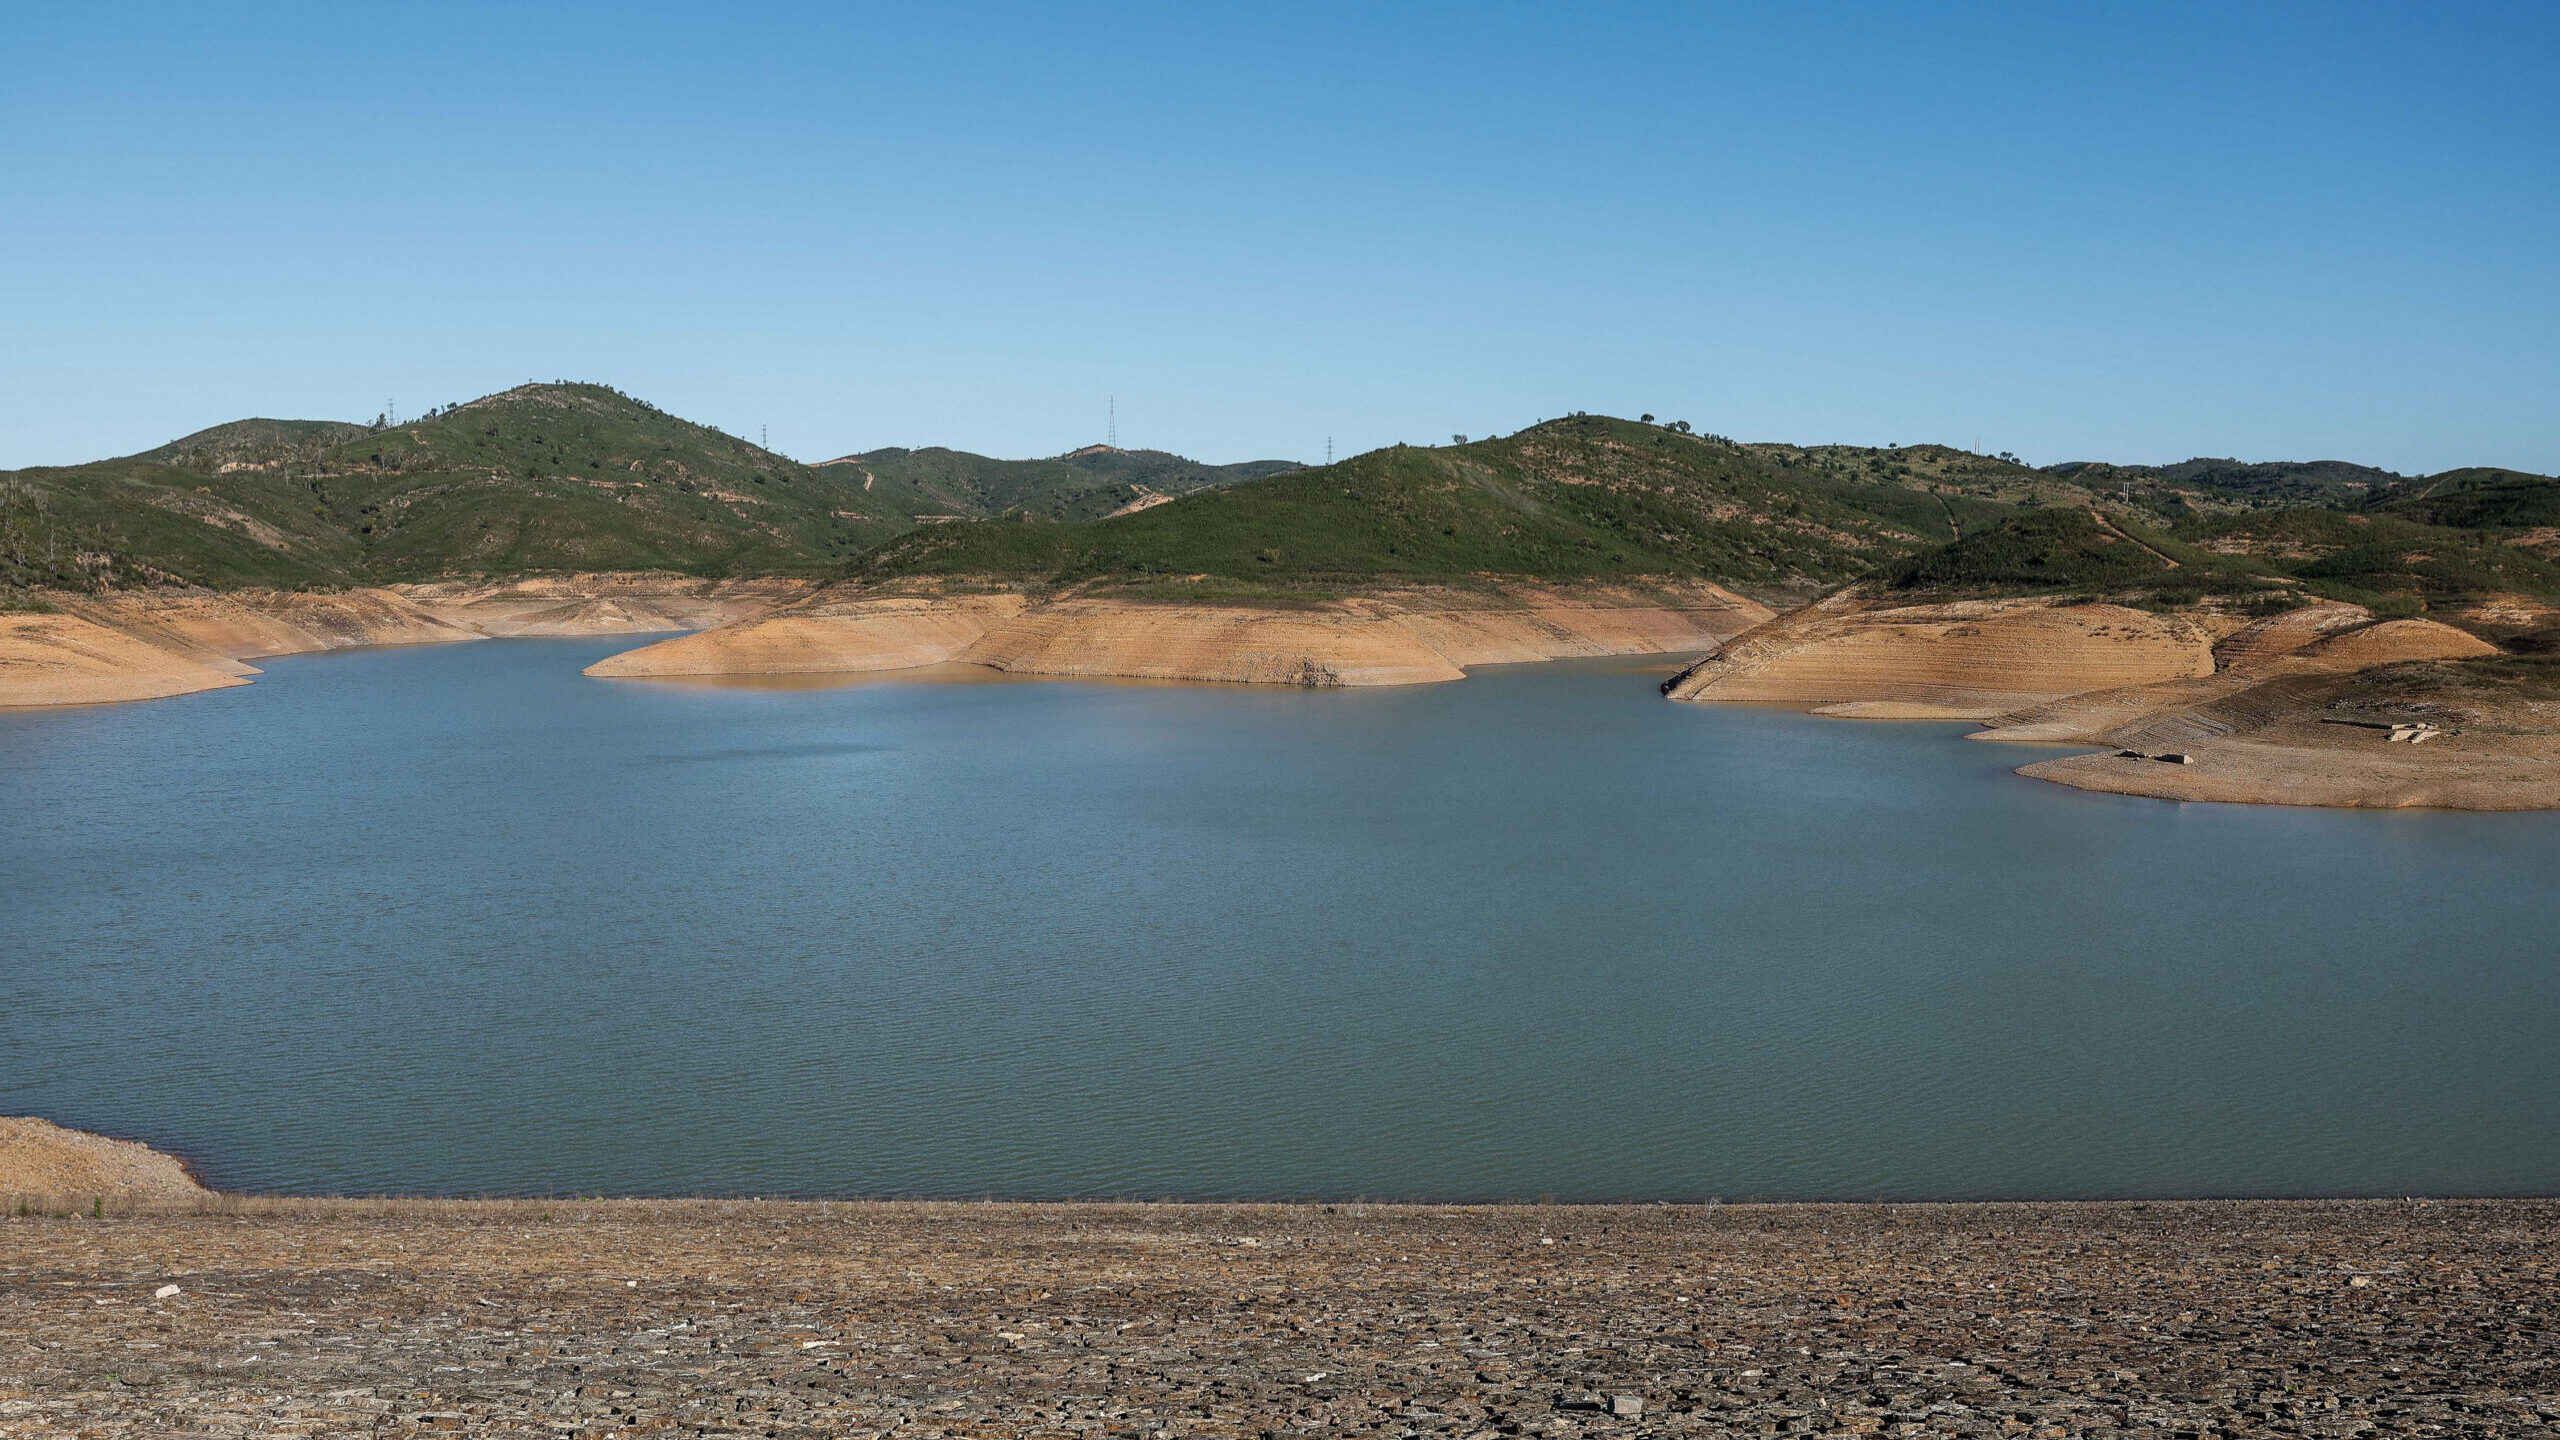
(2317, 705)
(86, 649)
(1401, 637)
(233, 1315)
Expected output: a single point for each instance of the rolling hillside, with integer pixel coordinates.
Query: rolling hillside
(539, 479)
(1582, 498)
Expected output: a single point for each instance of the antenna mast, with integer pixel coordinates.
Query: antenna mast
(1111, 426)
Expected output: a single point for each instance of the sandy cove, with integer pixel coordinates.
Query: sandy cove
(147, 644)
(227, 1315)
(1398, 638)
(2265, 711)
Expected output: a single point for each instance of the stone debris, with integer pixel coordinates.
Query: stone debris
(756, 1318)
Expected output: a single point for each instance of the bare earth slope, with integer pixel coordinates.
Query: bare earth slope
(169, 640)
(1403, 637)
(43, 1164)
(2292, 709)
(2301, 713)
(691, 1317)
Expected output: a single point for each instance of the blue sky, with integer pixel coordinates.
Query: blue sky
(2136, 232)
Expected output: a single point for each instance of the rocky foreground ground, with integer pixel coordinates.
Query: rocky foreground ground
(502, 1318)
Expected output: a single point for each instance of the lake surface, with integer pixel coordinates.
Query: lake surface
(460, 920)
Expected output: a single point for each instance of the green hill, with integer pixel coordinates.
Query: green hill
(556, 478)
(2054, 549)
(2369, 557)
(539, 478)
(1085, 484)
(542, 478)
(2193, 488)
(1575, 499)
(2477, 499)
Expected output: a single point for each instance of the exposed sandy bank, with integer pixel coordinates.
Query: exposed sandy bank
(602, 603)
(1967, 659)
(234, 625)
(66, 660)
(2296, 764)
(1403, 638)
(895, 633)
(2292, 709)
(1352, 643)
(141, 644)
(2311, 726)
(145, 644)
(41, 1161)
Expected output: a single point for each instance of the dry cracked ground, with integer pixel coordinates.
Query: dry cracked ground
(759, 1318)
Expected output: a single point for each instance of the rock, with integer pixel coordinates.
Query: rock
(165, 1292)
(1627, 1407)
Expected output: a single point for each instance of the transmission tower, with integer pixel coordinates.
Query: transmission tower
(1111, 424)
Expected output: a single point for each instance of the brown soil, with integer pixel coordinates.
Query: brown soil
(2296, 717)
(601, 604)
(46, 1167)
(2248, 704)
(1969, 658)
(694, 1318)
(1392, 639)
(66, 660)
(142, 644)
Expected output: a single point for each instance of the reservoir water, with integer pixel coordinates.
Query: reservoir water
(459, 920)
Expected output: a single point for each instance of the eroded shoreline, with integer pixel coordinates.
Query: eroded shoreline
(2280, 709)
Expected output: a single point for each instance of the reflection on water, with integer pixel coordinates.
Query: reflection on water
(459, 919)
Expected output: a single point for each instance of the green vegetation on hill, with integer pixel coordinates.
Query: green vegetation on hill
(1085, 484)
(539, 479)
(2368, 557)
(2046, 549)
(1576, 499)
(2193, 488)
(2477, 499)
(558, 478)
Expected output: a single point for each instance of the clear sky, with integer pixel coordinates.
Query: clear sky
(2124, 231)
